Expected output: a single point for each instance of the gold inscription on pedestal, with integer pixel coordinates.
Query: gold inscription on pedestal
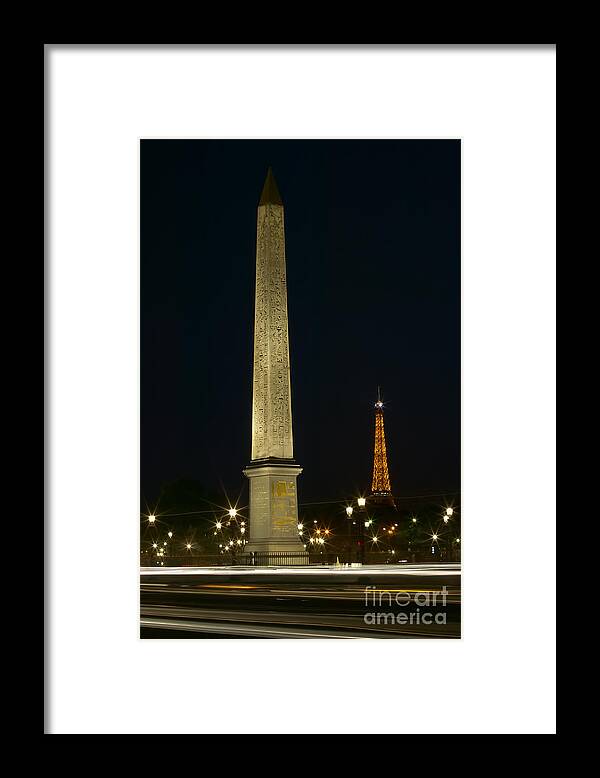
(280, 489)
(281, 509)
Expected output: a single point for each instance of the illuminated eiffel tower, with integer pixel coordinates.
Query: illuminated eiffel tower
(381, 491)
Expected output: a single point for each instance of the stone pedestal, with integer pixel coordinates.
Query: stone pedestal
(273, 508)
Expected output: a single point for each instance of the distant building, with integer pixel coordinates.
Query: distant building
(381, 490)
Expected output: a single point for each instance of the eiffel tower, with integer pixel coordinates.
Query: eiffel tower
(381, 491)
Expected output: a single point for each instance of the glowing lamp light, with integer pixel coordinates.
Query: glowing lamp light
(154, 545)
(446, 519)
(458, 540)
(300, 527)
(232, 512)
(435, 537)
(361, 502)
(188, 546)
(414, 521)
(449, 511)
(349, 511)
(218, 525)
(170, 534)
(151, 518)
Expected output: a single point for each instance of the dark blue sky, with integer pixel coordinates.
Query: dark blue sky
(373, 268)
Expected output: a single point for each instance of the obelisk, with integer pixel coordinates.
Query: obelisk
(272, 472)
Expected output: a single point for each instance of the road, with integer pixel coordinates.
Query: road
(391, 601)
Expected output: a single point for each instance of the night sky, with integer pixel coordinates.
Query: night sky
(373, 271)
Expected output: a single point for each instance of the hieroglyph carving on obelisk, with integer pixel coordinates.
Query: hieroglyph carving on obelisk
(272, 402)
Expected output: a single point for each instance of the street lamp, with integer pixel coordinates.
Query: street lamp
(449, 511)
(349, 512)
(362, 502)
(232, 513)
(456, 554)
(151, 518)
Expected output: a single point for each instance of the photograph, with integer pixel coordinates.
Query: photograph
(300, 366)
(300, 388)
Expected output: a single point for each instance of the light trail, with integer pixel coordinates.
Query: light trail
(301, 572)
(239, 629)
(349, 595)
(284, 625)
